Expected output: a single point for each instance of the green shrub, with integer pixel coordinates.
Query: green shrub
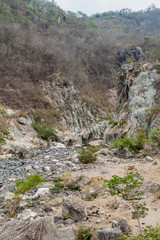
(148, 233)
(84, 233)
(127, 142)
(140, 139)
(2, 140)
(59, 185)
(6, 132)
(25, 185)
(2, 111)
(86, 155)
(93, 25)
(154, 135)
(44, 131)
(127, 188)
(133, 144)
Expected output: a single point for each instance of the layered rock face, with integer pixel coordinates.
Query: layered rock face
(139, 96)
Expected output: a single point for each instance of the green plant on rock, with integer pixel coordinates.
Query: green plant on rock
(2, 140)
(26, 185)
(125, 142)
(140, 139)
(133, 144)
(65, 182)
(83, 233)
(86, 155)
(46, 132)
(2, 111)
(148, 233)
(127, 188)
(154, 136)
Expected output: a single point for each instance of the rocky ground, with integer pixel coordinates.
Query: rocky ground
(92, 206)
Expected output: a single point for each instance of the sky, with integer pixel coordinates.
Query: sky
(90, 7)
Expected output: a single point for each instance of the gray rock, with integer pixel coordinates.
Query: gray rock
(149, 159)
(123, 153)
(109, 234)
(27, 215)
(122, 225)
(96, 143)
(69, 221)
(110, 136)
(104, 151)
(22, 121)
(41, 228)
(74, 208)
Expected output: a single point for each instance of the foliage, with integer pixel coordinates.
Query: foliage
(66, 182)
(83, 233)
(2, 140)
(93, 188)
(133, 144)
(128, 142)
(140, 139)
(127, 188)
(26, 185)
(44, 131)
(87, 155)
(2, 111)
(93, 25)
(154, 135)
(148, 233)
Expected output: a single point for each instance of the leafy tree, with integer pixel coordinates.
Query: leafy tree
(127, 189)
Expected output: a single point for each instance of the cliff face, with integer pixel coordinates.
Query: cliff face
(138, 94)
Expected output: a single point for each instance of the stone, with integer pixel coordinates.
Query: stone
(149, 159)
(123, 153)
(41, 228)
(47, 208)
(96, 143)
(9, 196)
(27, 214)
(41, 192)
(57, 219)
(74, 208)
(150, 186)
(111, 135)
(122, 225)
(104, 151)
(69, 221)
(22, 121)
(109, 234)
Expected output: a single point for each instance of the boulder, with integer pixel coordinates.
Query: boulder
(96, 143)
(74, 208)
(41, 192)
(122, 225)
(110, 136)
(27, 214)
(123, 153)
(104, 151)
(109, 234)
(149, 159)
(41, 228)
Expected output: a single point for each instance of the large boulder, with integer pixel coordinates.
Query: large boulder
(122, 225)
(74, 208)
(123, 153)
(109, 234)
(111, 135)
(39, 229)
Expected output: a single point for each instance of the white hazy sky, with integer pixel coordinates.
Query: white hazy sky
(94, 6)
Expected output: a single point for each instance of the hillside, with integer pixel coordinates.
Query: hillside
(79, 123)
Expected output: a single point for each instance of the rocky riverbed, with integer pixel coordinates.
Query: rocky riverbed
(97, 212)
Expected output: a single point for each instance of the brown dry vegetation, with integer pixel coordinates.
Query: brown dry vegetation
(38, 41)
